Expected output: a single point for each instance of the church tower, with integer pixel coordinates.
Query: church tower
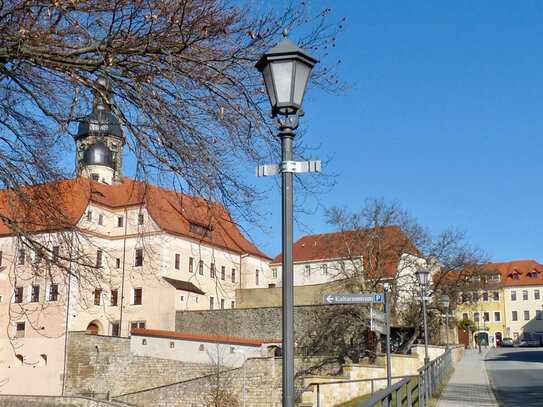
(99, 143)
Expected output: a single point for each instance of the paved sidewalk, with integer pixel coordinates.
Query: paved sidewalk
(469, 385)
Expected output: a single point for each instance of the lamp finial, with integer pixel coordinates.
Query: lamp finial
(285, 32)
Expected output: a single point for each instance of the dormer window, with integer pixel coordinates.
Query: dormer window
(534, 274)
(200, 230)
(95, 177)
(515, 276)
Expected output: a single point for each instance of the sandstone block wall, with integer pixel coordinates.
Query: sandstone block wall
(100, 364)
(51, 401)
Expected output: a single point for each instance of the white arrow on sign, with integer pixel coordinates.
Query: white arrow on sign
(378, 315)
(379, 328)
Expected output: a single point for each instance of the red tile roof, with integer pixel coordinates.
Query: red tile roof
(59, 205)
(523, 268)
(202, 337)
(393, 242)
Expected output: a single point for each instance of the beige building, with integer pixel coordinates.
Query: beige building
(107, 254)
(376, 255)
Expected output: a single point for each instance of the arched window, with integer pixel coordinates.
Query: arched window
(43, 360)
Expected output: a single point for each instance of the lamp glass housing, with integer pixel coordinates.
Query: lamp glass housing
(446, 301)
(285, 69)
(422, 276)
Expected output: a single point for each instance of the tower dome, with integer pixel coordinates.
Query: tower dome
(101, 121)
(99, 140)
(98, 154)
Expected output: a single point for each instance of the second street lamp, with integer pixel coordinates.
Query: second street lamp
(285, 69)
(422, 278)
(446, 302)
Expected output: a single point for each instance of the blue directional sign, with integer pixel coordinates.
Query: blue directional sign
(368, 298)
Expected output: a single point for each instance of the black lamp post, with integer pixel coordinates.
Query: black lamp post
(422, 277)
(446, 302)
(286, 69)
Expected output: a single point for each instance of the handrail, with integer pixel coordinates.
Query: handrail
(373, 379)
(430, 376)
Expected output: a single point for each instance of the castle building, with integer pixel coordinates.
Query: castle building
(106, 254)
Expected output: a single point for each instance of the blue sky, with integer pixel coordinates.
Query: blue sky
(445, 117)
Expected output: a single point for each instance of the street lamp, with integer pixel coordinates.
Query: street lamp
(286, 69)
(244, 363)
(446, 302)
(422, 277)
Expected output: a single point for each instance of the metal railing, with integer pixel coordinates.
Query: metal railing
(407, 392)
(317, 385)
(430, 377)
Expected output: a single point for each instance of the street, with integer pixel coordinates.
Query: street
(516, 375)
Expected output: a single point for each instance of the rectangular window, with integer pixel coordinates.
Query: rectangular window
(485, 296)
(538, 315)
(191, 265)
(515, 276)
(120, 221)
(464, 297)
(257, 276)
(212, 270)
(53, 292)
(307, 271)
(117, 263)
(513, 295)
(476, 317)
(38, 257)
(222, 303)
(211, 304)
(1, 255)
(496, 295)
(182, 298)
(274, 273)
(233, 275)
(141, 219)
(99, 258)
(19, 292)
(20, 257)
(138, 258)
(137, 325)
(514, 316)
(486, 316)
(97, 296)
(55, 251)
(115, 328)
(524, 295)
(497, 316)
(526, 315)
(201, 267)
(19, 329)
(465, 316)
(101, 220)
(536, 294)
(114, 298)
(177, 261)
(35, 293)
(223, 273)
(138, 293)
(89, 216)
(232, 304)
(324, 269)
